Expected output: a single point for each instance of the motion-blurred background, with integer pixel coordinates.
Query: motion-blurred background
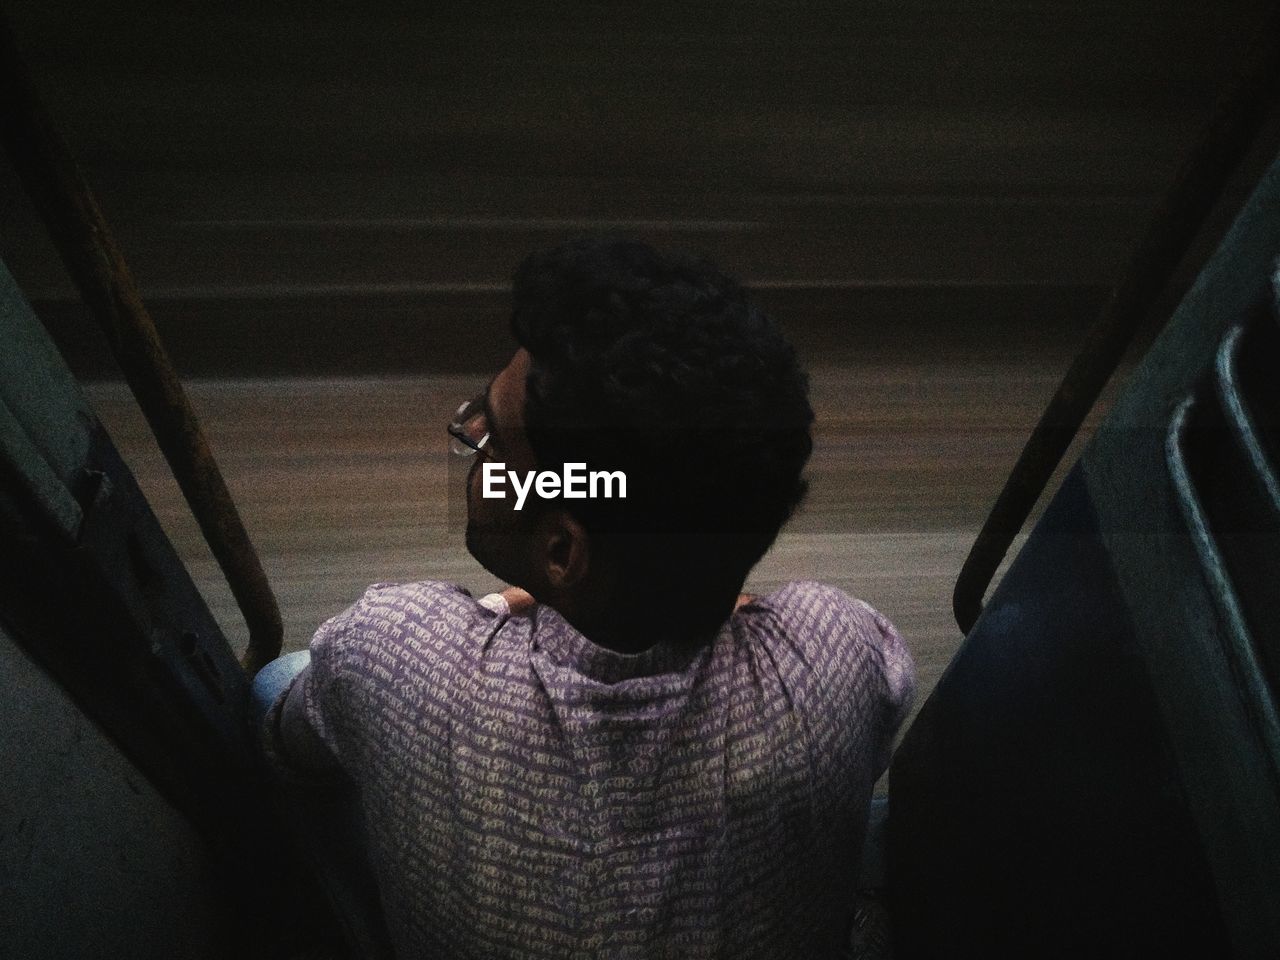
(323, 205)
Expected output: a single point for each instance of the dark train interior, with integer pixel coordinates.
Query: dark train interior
(1027, 252)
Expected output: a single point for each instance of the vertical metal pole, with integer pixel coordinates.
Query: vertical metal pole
(63, 198)
(1232, 127)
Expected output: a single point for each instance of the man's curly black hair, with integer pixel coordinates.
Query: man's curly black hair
(660, 366)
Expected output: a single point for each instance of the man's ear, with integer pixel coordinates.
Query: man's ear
(566, 550)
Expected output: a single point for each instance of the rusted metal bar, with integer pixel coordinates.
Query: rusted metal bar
(62, 196)
(1232, 128)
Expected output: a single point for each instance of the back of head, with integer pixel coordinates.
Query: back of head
(660, 367)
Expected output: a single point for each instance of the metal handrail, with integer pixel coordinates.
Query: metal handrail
(1232, 127)
(60, 193)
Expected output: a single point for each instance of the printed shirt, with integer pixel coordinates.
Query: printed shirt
(530, 794)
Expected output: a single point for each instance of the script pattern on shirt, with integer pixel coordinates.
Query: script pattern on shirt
(529, 794)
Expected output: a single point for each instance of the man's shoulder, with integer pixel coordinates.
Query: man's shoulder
(423, 620)
(810, 605)
(841, 658)
(834, 632)
(418, 600)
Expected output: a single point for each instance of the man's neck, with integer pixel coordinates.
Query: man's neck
(636, 635)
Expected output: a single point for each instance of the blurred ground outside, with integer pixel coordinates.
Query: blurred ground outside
(347, 481)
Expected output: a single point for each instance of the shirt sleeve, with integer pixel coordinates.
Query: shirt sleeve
(368, 665)
(300, 730)
(897, 673)
(845, 667)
